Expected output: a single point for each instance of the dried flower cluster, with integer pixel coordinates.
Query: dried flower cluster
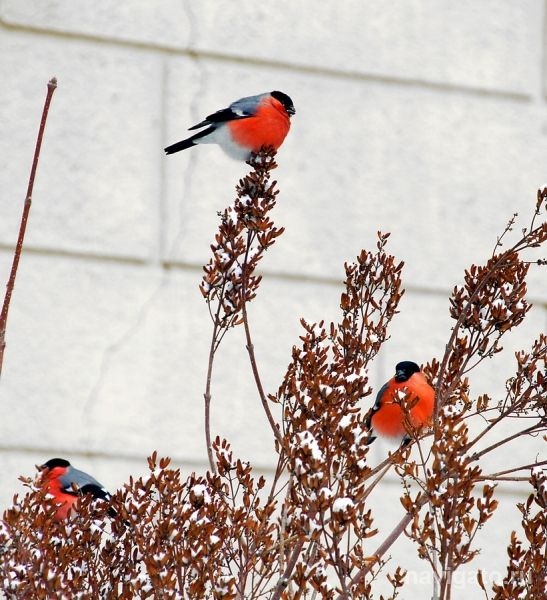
(448, 480)
(308, 531)
(244, 234)
(527, 569)
(324, 431)
(195, 538)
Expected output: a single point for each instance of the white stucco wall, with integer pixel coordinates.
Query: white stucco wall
(426, 118)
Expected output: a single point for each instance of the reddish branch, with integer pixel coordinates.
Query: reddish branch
(51, 87)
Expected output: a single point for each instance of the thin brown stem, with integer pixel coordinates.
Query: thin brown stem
(500, 475)
(434, 553)
(490, 426)
(387, 462)
(448, 562)
(386, 544)
(251, 352)
(51, 87)
(376, 481)
(291, 564)
(207, 397)
(510, 438)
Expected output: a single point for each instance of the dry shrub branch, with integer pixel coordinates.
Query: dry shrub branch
(307, 531)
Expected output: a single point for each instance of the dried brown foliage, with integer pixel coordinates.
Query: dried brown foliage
(527, 568)
(307, 531)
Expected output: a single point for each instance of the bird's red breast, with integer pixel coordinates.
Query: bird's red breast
(52, 484)
(389, 419)
(267, 127)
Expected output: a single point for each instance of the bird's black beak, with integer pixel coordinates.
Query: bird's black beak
(291, 110)
(400, 376)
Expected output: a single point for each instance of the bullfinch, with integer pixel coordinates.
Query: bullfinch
(245, 126)
(66, 484)
(387, 418)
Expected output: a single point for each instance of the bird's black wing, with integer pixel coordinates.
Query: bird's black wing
(372, 411)
(95, 491)
(377, 403)
(221, 116)
(99, 492)
(90, 488)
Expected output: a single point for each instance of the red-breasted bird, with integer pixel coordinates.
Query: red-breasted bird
(66, 484)
(387, 418)
(245, 126)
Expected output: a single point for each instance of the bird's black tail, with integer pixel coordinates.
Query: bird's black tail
(182, 145)
(98, 492)
(189, 142)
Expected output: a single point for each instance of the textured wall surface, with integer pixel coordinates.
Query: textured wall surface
(426, 118)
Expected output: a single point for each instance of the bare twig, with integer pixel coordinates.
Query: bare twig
(505, 440)
(384, 546)
(251, 352)
(51, 87)
(207, 398)
(499, 475)
(291, 564)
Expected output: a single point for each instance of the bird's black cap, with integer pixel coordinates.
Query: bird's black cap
(404, 370)
(55, 462)
(285, 100)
